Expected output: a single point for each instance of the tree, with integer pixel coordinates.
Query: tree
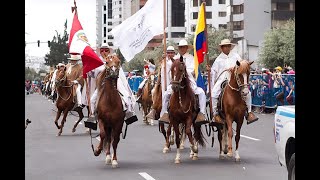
(58, 49)
(279, 46)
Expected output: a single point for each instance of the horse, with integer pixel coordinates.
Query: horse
(182, 109)
(65, 101)
(146, 99)
(233, 107)
(110, 110)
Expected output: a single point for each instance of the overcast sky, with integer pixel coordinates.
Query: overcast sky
(43, 17)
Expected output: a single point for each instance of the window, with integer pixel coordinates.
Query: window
(104, 41)
(104, 31)
(110, 43)
(208, 15)
(238, 25)
(222, 14)
(193, 28)
(195, 15)
(109, 29)
(195, 3)
(222, 1)
(119, 2)
(283, 6)
(119, 15)
(120, 9)
(110, 37)
(222, 26)
(208, 2)
(110, 23)
(104, 7)
(237, 9)
(177, 34)
(110, 14)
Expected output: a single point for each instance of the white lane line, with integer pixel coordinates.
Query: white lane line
(146, 176)
(250, 137)
(79, 122)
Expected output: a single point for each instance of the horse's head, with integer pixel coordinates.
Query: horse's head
(112, 67)
(179, 75)
(61, 76)
(242, 72)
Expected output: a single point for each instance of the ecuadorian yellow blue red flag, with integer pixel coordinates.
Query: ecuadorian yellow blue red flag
(200, 44)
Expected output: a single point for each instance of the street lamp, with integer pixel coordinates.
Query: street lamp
(272, 17)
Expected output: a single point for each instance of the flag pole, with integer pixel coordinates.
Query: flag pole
(164, 45)
(207, 57)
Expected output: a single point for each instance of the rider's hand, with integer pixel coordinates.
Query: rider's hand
(208, 68)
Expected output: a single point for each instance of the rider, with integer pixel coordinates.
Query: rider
(225, 60)
(74, 73)
(189, 62)
(122, 85)
(169, 61)
(149, 68)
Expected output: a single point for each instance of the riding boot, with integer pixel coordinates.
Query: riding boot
(201, 119)
(217, 120)
(139, 93)
(151, 114)
(251, 117)
(164, 118)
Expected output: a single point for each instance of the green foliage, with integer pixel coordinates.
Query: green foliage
(30, 74)
(279, 46)
(58, 49)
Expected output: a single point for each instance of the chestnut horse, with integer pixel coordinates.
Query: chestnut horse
(110, 110)
(65, 101)
(182, 109)
(233, 107)
(146, 99)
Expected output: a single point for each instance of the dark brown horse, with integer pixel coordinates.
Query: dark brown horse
(182, 109)
(65, 101)
(146, 99)
(110, 111)
(234, 107)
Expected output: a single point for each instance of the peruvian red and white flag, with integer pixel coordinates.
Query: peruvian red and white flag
(78, 44)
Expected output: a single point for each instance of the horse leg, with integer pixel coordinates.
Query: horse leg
(108, 144)
(176, 130)
(65, 113)
(57, 118)
(221, 153)
(116, 138)
(188, 132)
(102, 136)
(237, 139)
(80, 118)
(183, 136)
(230, 135)
(167, 144)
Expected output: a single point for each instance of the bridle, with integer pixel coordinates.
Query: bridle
(239, 84)
(58, 84)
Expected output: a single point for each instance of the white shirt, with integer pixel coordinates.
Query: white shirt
(168, 73)
(189, 61)
(222, 63)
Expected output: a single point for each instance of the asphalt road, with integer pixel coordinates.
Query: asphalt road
(70, 157)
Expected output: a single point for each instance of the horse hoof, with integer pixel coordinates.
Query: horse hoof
(194, 149)
(74, 130)
(195, 158)
(229, 154)
(181, 147)
(238, 159)
(114, 164)
(97, 152)
(165, 150)
(177, 161)
(222, 156)
(108, 159)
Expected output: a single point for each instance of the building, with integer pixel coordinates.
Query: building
(281, 11)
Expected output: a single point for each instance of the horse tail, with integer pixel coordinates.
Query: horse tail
(198, 136)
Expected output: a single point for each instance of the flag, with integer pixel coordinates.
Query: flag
(133, 34)
(78, 44)
(200, 46)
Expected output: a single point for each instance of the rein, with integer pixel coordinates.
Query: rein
(69, 86)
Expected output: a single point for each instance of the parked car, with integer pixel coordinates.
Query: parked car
(284, 134)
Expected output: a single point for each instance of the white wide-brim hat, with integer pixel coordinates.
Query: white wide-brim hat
(60, 64)
(170, 48)
(74, 57)
(184, 42)
(226, 42)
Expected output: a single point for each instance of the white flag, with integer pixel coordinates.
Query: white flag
(133, 34)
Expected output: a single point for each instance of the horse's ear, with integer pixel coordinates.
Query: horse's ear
(251, 63)
(238, 63)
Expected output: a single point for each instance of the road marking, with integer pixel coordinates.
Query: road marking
(146, 176)
(250, 138)
(79, 122)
